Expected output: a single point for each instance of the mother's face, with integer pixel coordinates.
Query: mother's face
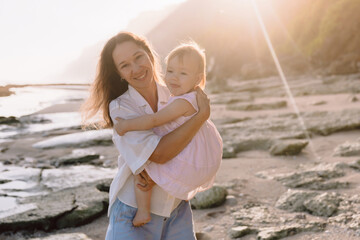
(133, 64)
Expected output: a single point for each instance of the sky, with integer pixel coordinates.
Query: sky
(39, 38)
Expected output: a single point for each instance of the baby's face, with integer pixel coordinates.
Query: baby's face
(182, 74)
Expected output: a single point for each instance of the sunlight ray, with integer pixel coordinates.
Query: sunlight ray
(282, 77)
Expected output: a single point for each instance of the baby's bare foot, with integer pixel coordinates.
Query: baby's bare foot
(141, 217)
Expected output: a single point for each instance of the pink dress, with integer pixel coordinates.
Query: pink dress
(194, 168)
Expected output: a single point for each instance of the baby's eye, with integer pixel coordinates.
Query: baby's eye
(169, 71)
(183, 73)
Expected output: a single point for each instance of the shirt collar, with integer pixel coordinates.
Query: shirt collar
(140, 100)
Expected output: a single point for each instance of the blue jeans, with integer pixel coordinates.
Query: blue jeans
(179, 226)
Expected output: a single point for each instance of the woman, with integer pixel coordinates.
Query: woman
(127, 86)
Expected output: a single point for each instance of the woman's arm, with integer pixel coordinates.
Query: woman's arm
(174, 142)
(176, 109)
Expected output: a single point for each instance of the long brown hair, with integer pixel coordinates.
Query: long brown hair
(108, 84)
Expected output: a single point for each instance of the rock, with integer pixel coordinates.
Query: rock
(66, 208)
(64, 236)
(348, 213)
(3, 149)
(249, 143)
(293, 200)
(256, 107)
(326, 123)
(240, 231)
(202, 236)
(318, 103)
(69, 177)
(228, 151)
(328, 185)
(210, 198)
(278, 232)
(353, 98)
(313, 177)
(348, 149)
(260, 133)
(33, 119)
(90, 202)
(9, 120)
(18, 180)
(231, 200)
(104, 185)
(324, 205)
(77, 156)
(288, 147)
(254, 215)
(348, 220)
(208, 228)
(43, 216)
(355, 165)
(81, 139)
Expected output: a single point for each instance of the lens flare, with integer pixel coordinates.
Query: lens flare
(282, 77)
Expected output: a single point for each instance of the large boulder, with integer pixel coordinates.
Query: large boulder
(325, 204)
(293, 200)
(66, 208)
(210, 198)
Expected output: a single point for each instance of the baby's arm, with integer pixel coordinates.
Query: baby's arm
(177, 108)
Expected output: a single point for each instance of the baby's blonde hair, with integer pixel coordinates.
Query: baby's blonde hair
(193, 49)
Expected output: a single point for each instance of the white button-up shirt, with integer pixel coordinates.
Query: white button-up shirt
(135, 148)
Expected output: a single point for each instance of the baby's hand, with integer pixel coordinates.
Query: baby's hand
(143, 181)
(121, 126)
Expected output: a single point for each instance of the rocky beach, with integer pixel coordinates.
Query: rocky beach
(278, 180)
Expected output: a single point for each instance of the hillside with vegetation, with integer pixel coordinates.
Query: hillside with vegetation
(317, 37)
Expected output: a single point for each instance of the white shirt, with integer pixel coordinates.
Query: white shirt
(135, 148)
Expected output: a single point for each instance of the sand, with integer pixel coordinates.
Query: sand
(241, 170)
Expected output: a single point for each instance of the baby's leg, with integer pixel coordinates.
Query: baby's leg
(143, 200)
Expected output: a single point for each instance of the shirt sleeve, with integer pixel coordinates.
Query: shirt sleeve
(135, 146)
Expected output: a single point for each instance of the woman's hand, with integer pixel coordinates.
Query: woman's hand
(203, 103)
(121, 126)
(143, 181)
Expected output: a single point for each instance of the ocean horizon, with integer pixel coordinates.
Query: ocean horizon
(30, 98)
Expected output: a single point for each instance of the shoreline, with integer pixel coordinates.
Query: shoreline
(249, 172)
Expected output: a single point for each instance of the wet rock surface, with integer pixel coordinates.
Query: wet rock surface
(82, 139)
(78, 156)
(64, 236)
(322, 205)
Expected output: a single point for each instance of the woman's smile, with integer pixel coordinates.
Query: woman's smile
(141, 77)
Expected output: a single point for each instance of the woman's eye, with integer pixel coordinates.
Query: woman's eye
(124, 66)
(138, 57)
